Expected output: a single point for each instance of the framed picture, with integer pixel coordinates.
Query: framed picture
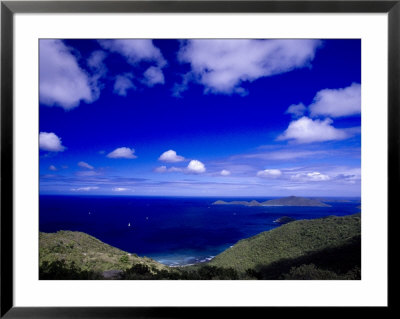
(162, 156)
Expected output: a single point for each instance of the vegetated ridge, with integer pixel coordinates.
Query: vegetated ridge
(333, 243)
(86, 254)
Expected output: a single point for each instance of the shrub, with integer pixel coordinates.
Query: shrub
(124, 259)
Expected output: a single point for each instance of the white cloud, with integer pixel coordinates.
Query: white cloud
(170, 157)
(85, 165)
(52, 168)
(337, 102)
(195, 167)
(296, 110)
(225, 172)
(153, 76)
(269, 173)
(222, 65)
(306, 130)
(310, 177)
(50, 142)
(123, 83)
(120, 189)
(62, 82)
(122, 152)
(84, 189)
(135, 50)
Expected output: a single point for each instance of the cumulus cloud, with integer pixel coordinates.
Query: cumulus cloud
(123, 83)
(297, 110)
(85, 165)
(269, 173)
(221, 66)
(50, 142)
(122, 152)
(170, 157)
(195, 167)
(135, 50)
(225, 172)
(84, 189)
(52, 168)
(153, 75)
(61, 81)
(337, 102)
(306, 130)
(310, 177)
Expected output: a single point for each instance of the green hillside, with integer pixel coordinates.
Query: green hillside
(85, 253)
(333, 243)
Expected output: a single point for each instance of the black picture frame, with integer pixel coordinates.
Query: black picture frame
(9, 8)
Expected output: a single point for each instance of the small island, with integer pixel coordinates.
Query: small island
(294, 201)
(285, 201)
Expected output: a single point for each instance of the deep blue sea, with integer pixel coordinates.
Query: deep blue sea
(173, 231)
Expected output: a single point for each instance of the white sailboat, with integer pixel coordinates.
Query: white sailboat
(129, 224)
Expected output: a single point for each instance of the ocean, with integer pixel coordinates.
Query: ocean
(173, 231)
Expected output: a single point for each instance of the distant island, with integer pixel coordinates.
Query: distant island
(285, 201)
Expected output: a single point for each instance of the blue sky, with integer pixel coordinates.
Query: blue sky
(200, 117)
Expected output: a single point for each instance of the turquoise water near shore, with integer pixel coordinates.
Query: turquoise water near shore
(173, 231)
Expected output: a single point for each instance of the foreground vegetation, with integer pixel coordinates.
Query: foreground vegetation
(298, 239)
(78, 252)
(326, 248)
